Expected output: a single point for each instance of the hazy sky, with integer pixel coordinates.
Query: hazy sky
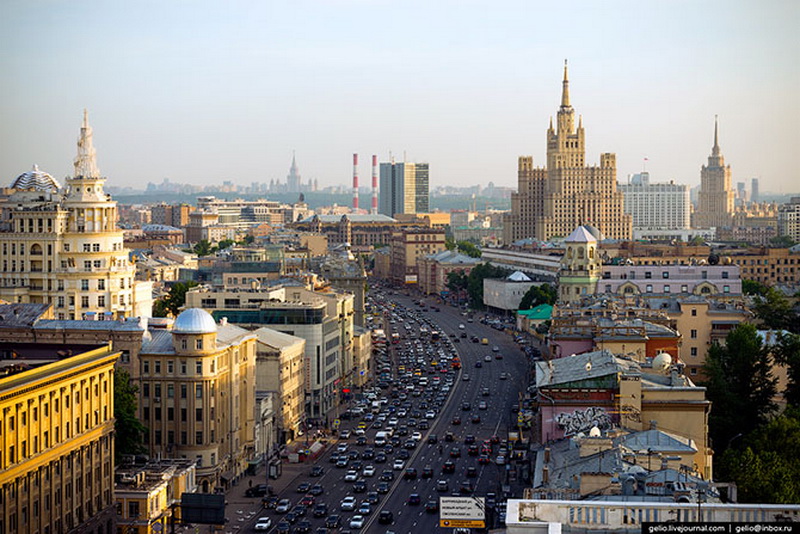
(202, 92)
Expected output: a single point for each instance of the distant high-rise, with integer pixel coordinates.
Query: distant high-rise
(553, 201)
(754, 195)
(404, 188)
(715, 199)
(293, 179)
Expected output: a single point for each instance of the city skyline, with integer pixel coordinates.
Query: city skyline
(217, 93)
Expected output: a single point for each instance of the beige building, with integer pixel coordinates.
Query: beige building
(434, 269)
(280, 369)
(789, 220)
(407, 246)
(62, 246)
(362, 355)
(581, 266)
(197, 395)
(551, 202)
(57, 439)
(715, 199)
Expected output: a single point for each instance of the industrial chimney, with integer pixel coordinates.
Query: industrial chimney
(374, 209)
(355, 182)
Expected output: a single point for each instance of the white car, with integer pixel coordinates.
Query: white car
(263, 523)
(398, 465)
(393, 421)
(500, 460)
(487, 358)
(351, 476)
(369, 471)
(359, 432)
(430, 414)
(342, 447)
(357, 522)
(416, 436)
(348, 504)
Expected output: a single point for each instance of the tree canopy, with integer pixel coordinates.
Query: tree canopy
(752, 287)
(475, 282)
(536, 295)
(740, 385)
(470, 249)
(129, 430)
(775, 311)
(174, 301)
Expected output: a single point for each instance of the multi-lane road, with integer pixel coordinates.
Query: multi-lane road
(497, 382)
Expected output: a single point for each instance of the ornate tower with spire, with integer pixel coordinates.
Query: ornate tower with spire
(715, 202)
(552, 201)
(293, 179)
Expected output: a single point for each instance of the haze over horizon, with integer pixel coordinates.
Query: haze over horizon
(201, 92)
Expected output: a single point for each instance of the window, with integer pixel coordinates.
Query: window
(145, 366)
(198, 344)
(84, 285)
(694, 312)
(87, 247)
(665, 274)
(170, 366)
(183, 366)
(184, 344)
(199, 437)
(693, 351)
(85, 301)
(684, 288)
(183, 437)
(725, 275)
(693, 334)
(170, 391)
(183, 419)
(170, 414)
(648, 288)
(101, 284)
(101, 301)
(145, 390)
(87, 265)
(183, 391)
(157, 391)
(95, 247)
(648, 275)
(157, 364)
(97, 263)
(198, 391)
(726, 289)
(666, 288)
(198, 414)
(198, 367)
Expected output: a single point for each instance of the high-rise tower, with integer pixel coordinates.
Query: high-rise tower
(715, 203)
(404, 188)
(554, 200)
(293, 179)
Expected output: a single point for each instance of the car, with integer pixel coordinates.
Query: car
(413, 499)
(432, 439)
(321, 530)
(449, 437)
(386, 517)
(357, 522)
(466, 487)
(387, 476)
(283, 506)
(427, 472)
(455, 452)
(361, 441)
(368, 454)
(432, 506)
(500, 460)
(368, 471)
(351, 476)
(283, 527)
(263, 523)
(465, 377)
(299, 510)
(333, 521)
(365, 508)
(472, 450)
(398, 464)
(291, 518)
(342, 461)
(344, 434)
(270, 502)
(442, 486)
(417, 436)
(448, 467)
(348, 504)
(476, 419)
(483, 405)
(320, 510)
(456, 421)
(484, 459)
(409, 444)
(430, 414)
(487, 358)
(410, 474)
(478, 364)
(360, 486)
(382, 487)
(373, 497)
(259, 490)
(485, 392)
(472, 471)
(495, 349)
(503, 376)
(469, 438)
(303, 487)
(380, 458)
(303, 527)
(316, 490)
(308, 500)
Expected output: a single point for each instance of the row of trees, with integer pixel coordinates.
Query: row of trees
(205, 248)
(756, 446)
(465, 247)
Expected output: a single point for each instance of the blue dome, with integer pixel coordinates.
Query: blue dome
(194, 321)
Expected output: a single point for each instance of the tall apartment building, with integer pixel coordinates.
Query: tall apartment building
(657, 206)
(404, 188)
(551, 202)
(789, 219)
(715, 198)
(176, 215)
(57, 440)
(197, 396)
(408, 247)
(62, 245)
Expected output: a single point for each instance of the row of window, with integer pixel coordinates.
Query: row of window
(705, 290)
(198, 391)
(198, 364)
(85, 301)
(157, 414)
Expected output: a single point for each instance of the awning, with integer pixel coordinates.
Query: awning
(227, 476)
(255, 462)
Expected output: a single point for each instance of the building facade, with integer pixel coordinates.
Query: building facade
(551, 202)
(715, 198)
(789, 220)
(407, 246)
(62, 245)
(433, 270)
(404, 188)
(581, 265)
(663, 206)
(57, 442)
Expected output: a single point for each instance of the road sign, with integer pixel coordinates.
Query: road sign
(462, 512)
(461, 523)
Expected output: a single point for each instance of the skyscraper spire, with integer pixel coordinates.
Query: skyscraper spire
(715, 150)
(565, 90)
(86, 161)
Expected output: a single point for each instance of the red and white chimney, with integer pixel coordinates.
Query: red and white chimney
(355, 182)
(374, 209)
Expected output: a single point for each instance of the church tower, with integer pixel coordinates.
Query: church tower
(715, 199)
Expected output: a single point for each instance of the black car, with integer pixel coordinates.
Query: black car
(380, 458)
(303, 487)
(283, 527)
(455, 452)
(373, 497)
(466, 487)
(449, 467)
(320, 510)
(383, 487)
(403, 454)
(386, 517)
(413, 499)
(472, 471)
(387, 476)
(316, 490)
(368, 454)
(303, 527)
(432, 507)
(361, 440)
(359, 486)
(433, 439)
(410, 474)
(427, 472)
(449, 437)
(258, 490)
(469, 438)
(333, 521)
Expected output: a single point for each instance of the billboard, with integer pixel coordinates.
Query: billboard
(462, 512)
(411, 279)
(203, 508)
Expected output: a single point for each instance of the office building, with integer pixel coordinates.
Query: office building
(407, 247)
(715, 199)
(552, 201)
(62, 245)
(656, 206)
(789, 220)
(404, 188)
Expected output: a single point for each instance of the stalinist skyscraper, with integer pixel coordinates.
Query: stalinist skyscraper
(553, 201)
(715, 199)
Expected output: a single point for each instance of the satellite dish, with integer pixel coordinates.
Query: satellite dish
(662, 361)
(588, 366)
(594, 432)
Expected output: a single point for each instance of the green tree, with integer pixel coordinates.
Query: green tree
(204, 248)
(129, 430)
(752, 287)
(775, 311)
(449, 243)
(225, 243)
(787, 353)
(174, 301)
(536, 295)
(766, 468)
(475, 282)
(740, 385)
(782, 241)
(456, 281)
(470, 249)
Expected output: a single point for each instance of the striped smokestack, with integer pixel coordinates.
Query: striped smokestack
(374, 209)
(355, 182)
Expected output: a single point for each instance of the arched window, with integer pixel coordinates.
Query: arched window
(580, 253)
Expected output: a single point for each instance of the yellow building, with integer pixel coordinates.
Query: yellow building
(56, 438)
(551, 201)
(62, 246)
(407, 247)
(197, 395)
(715, 199)
(148, 496)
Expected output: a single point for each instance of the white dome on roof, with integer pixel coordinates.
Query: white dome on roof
(194, 321)
(35, 179)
